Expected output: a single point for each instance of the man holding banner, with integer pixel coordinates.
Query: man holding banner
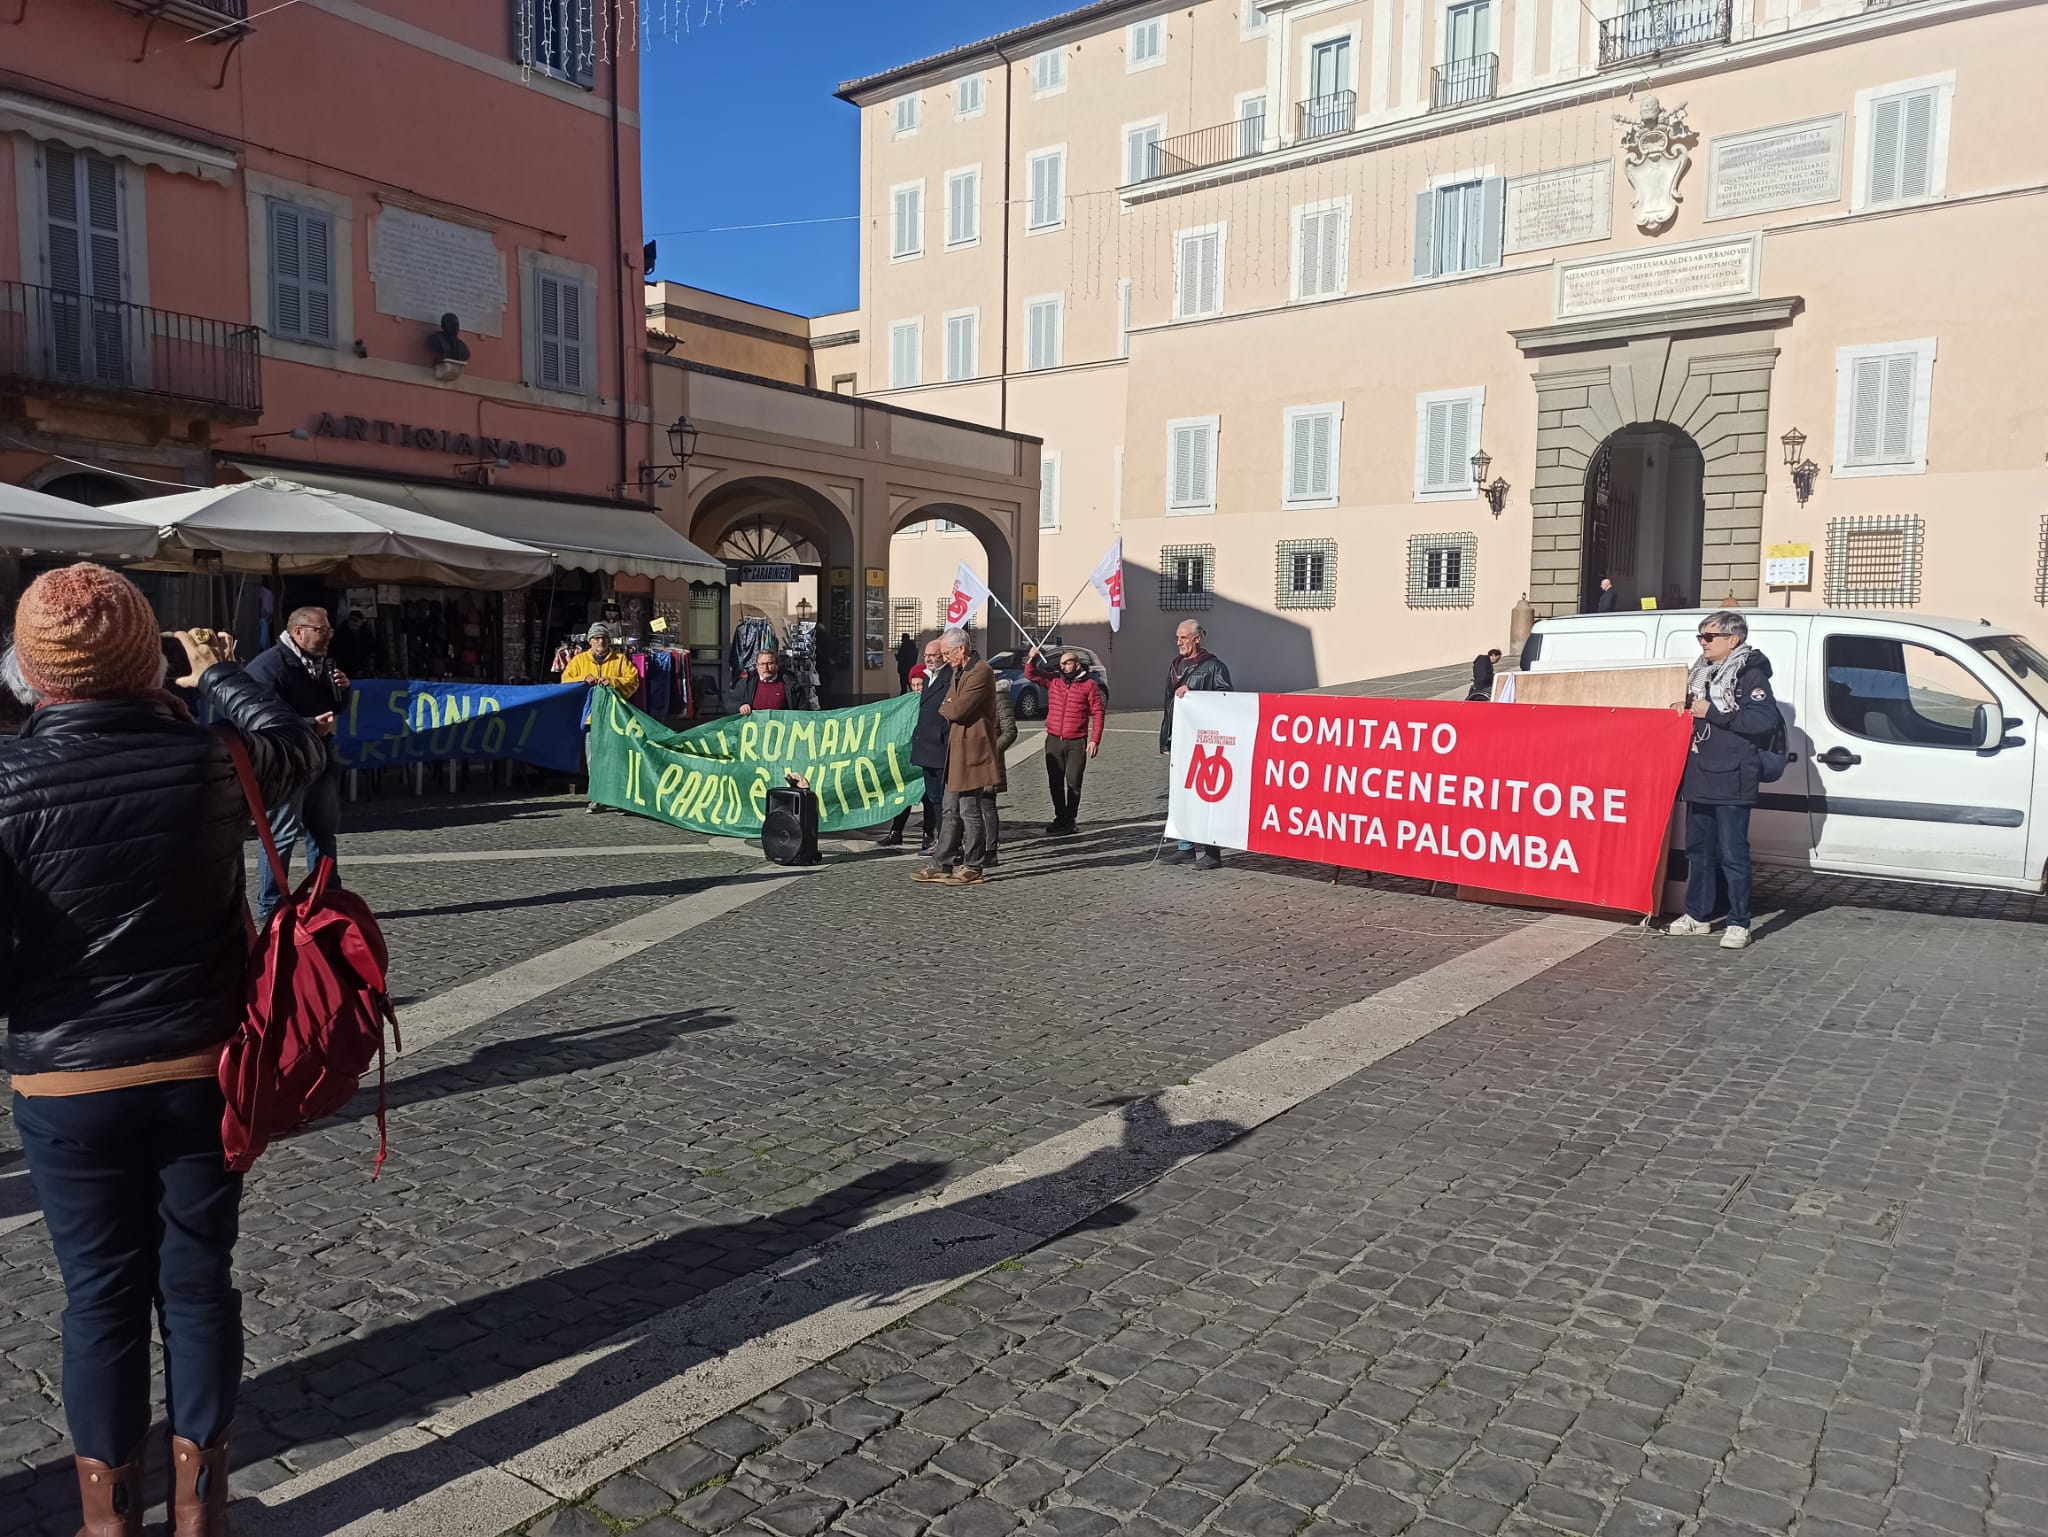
(1194, 670)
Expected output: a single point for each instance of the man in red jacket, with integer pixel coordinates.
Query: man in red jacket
(1073, 732)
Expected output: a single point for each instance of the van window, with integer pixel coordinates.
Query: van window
(1597, 643)
(2020, 661)
(1895, 691)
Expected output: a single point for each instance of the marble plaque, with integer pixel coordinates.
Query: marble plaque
(1657, 279)
(424, 267)
(1560, 207)
(1790, 166)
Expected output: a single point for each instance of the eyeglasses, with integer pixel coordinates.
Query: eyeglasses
(1712, 635)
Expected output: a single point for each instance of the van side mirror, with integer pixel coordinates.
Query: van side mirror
(1988, 726)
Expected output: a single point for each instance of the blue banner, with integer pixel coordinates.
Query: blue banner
(391, 724)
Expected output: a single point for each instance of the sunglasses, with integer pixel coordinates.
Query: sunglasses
(1705, 635)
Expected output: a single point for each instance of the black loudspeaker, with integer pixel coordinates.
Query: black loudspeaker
(789, 831)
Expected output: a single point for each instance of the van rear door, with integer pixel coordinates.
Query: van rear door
(1900, 786)
(1780, 830)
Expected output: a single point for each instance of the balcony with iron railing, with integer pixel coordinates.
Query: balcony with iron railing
(1464, 81)
(1322, 116)
(56, 342)
(1646, 30)
(1207, 147)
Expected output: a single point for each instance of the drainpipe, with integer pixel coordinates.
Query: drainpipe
(1003, 385)
(620, 258)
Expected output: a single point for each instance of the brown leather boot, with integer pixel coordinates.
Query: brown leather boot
(199, 1489)
(111, 1498)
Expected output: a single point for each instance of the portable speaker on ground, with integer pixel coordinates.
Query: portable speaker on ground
(789, 830)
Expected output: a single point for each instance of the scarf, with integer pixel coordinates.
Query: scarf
(1715, 681)
(321, 667)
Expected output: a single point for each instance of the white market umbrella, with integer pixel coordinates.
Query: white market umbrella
(34, 524)
(278, 527)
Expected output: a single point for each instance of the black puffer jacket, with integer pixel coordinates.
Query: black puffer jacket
(931, 739)
(122, 938)
(1724, 767)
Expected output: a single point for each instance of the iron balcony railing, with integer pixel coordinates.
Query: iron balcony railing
(1321, 116)
(1205, 147)
(1464, 81)
(1663, 26)
(54, 339)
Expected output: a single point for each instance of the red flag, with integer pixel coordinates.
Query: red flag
(969, 593)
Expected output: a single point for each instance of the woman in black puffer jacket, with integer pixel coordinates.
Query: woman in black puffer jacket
(123, 963)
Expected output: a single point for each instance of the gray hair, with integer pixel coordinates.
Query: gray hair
(954, 638)
(1725, 621)
(305, 616)
(1192, 624)
(12, 680)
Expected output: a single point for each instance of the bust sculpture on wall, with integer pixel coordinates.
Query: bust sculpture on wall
(1656, 148)
(450, 351)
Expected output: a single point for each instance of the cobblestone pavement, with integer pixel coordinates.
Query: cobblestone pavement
(1662, 1226)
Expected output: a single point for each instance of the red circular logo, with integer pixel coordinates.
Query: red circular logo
(1209, 774)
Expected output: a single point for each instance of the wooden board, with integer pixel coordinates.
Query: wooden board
(1626, 688)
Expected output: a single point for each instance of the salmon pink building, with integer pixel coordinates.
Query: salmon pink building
(383, 246)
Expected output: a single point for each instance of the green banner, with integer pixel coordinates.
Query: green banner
(716, 778)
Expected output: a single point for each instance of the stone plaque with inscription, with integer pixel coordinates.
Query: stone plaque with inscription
(1560, 207)
(1789, 166)
(1657, 279)
(425, 267)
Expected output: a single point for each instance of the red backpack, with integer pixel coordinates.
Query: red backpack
(317, 1005)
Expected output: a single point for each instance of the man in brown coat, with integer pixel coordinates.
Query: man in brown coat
(974, 767)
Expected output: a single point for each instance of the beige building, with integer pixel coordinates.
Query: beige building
(1265, 279)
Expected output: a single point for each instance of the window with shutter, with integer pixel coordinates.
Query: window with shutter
(1049, 71)
(1198, 273)
(1147, 44)
(301, 274)
(1251, 125)
(1123, 317)
(1042, 328)
(1310, 451)
(906, 115)
(1881, 408)
(963, 208)
(560, 337)
(906, 354)
(1459, 227)
(907, 221)
(1191, 465)
(1048, 189)
(968, 95)
(962, 345)
(558, 38)
(1902, 132)
(1251, 19)
(85, 263)
(1141, 152)
(1320, 251)
(1049, 491)
(1446, 436)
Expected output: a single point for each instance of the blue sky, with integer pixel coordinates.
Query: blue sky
(739, 126)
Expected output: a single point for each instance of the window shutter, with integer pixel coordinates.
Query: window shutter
(1184, 473)
(1048, 492)
(1251, 126)
(1123, 318)
(1049, 70)
(1898, 408)
(1886, 123)
(1916, 145)
(1045, 191)
(1866, 410)
(1437, 442)
(550, 330)
(103, 219)
(1300, 454)
(1308, 248)
(318, 270)
(287, 273)
(963, 199)
(1201, 487)
(1209, 253)
(905, 344)
(1322, 428)
(908, 213)
(63, 239)
(1336, 234)
(1493, 207)
(1425, 234)
(585, 43)
(1458, 446)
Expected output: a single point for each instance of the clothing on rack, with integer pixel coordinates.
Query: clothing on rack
(748, 640)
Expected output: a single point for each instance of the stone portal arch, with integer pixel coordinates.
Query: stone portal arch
(1710, 386)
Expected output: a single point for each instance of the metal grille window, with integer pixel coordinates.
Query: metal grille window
(1187, 577)
(1441, 570)
(1305, 574)
(1874, 562)
(1046, 615)
(906, 615)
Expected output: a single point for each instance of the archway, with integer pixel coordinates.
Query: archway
(929, 541)
(790, 559)
(1644, 521)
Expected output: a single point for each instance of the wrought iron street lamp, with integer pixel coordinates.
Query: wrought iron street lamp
(1803, 469)
(1496, 494)
(682, 446)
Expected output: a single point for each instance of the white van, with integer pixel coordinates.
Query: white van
(1916, 743)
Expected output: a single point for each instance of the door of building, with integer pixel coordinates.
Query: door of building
(85, 267)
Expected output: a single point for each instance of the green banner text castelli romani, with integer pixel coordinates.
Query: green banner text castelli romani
(716, 778)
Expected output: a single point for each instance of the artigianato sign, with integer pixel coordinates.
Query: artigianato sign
(363, 429)
(1560, 802)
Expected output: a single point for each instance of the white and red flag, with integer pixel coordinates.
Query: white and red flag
(969, 593)
(1108, 579)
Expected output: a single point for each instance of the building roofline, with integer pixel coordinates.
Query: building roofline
(998, 48)
(865, 402)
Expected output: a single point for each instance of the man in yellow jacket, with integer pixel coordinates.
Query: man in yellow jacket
(602, 665)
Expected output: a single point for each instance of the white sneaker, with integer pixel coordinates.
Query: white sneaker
(1734, 938)
(1687, 924)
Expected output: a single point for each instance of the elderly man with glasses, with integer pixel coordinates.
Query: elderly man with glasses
(1735, 718)
(302, 674)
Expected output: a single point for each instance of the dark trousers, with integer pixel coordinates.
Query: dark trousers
(142, 1213)
(315, 816)
(964, 830)
(1717, 862)
(1066, 764)
(934, 802)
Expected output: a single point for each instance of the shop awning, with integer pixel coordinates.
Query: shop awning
(582, 536)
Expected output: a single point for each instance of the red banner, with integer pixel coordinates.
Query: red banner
(1561, 802)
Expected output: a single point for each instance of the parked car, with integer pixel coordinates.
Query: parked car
(1027, 697)
(1916, 744)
